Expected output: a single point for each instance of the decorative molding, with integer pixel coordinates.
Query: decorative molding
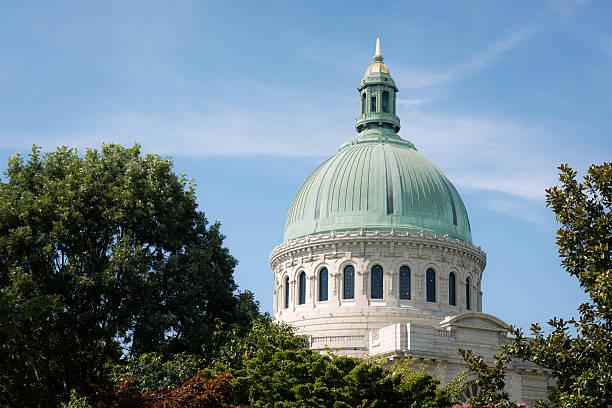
(335, 339)
(289, 250)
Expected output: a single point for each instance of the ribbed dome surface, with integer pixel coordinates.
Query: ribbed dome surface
(378, 186)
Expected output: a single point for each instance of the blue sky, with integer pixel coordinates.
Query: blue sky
(249, 97)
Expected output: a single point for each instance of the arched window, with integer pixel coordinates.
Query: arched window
(404, 284)
(430, 278)
(372, 103)
(323, 285)
(302, 297)
(467, 294)
(452, 297)
(349, 282)
(376, 280)
(385, 101)
(286, 292)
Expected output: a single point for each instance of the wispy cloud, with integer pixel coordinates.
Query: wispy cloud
(521, 210)
(414, 102)
(422, 79)
(476, 153)
(485, 154)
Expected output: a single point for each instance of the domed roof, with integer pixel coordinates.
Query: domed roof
(377, 67)
(378, 181)
(378, 186)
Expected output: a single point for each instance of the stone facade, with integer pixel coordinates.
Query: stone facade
(431, 332)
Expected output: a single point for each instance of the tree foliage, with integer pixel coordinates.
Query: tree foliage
(200, 391)
(267, 366)
(154, 372)
(490, 380)
(99, 253)
(578, 352)
(271, 367)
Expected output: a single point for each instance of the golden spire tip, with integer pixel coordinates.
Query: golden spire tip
(377, 48)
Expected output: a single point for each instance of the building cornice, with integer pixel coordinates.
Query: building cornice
(331, 240)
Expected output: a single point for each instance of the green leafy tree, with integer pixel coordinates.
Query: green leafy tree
(98, 253)
(578, 352)
(199, 391)
(76, 401)
(153, 372)
(490, 379)
(272, 367)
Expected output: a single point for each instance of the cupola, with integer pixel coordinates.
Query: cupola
(378, 98)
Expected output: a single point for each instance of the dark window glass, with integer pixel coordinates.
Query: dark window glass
(431, 285)
(302, 298)
(404, 284)
(323, 285)
(373, 103)
(376, 280)
(349, 282)
(385, 101)
(286, 292)
(452, 298)
(467, 295)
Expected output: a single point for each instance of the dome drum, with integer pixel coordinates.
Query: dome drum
(349, 320)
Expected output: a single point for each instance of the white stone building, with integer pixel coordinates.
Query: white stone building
(378, 257)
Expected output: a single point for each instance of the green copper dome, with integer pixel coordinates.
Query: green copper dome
(378, 181)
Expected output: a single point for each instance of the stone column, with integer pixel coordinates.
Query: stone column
(419, 293)
(334, 281)
(292, 302)
(443, 292)
(361, 286)
(514, 387)
(311, 292)
(392, 287)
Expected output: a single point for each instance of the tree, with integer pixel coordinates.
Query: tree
(271, 367)
(490, 379)
(101, 254)
(199, 391)
(153, 372)
(578, 352)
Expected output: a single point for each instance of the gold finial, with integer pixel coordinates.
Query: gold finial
(377, 48)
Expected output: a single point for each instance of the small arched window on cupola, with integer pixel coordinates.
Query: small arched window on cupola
(349, 282)
(302, 287)
(404, 283)
(468, 306)
(385, 101)
(430, 285)
(323, 279)
(286, 292)
(376, 280)
(373, 103)
(452, 296)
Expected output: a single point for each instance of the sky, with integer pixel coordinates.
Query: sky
(249, 97)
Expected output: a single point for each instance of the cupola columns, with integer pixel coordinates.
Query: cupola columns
(377, 115)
